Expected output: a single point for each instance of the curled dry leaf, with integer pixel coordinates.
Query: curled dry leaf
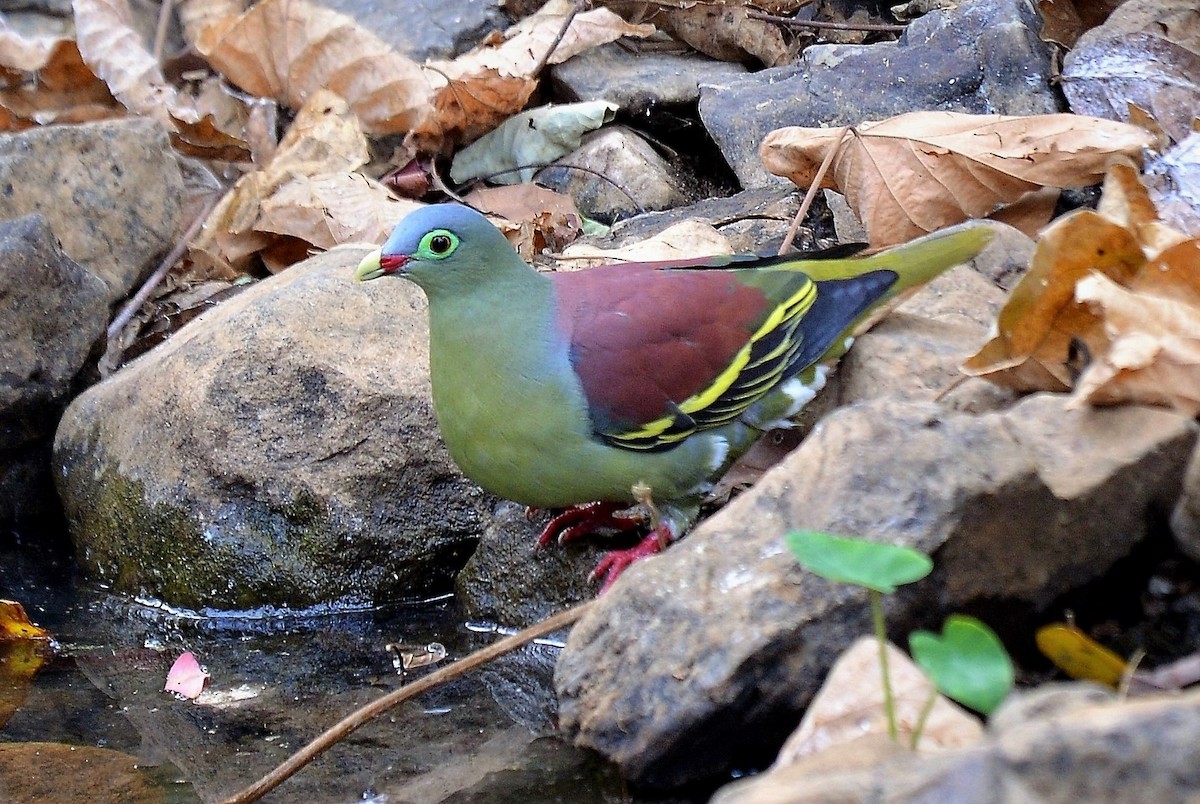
(290, 49)
(1110, 306)
(61, 88)
(1041, 326)
(115, 51)
(1154, 328)
(324, 139)
(479, 90)
(918, 172)
(536, 219)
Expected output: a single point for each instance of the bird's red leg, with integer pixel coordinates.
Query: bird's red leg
(616, 562)
(580, 520)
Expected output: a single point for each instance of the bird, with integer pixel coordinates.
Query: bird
(619, 393)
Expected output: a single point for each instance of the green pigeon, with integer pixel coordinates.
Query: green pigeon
(629, 387)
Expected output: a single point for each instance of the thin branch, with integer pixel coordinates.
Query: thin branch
(160, 273)
(811, 195)
(576, 7)
(789, 22)
(364, 714)
(160, 33)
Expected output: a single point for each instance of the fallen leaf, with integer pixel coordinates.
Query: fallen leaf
(528, 141)
(186, 677)
(919, 172)
(536, 219)
(15, 624)
(1155, 353)
(20, 661)
(113, 49)
(324, 140)
(1032, 348)
(48, 82)
(290, 49)
(1080, 656)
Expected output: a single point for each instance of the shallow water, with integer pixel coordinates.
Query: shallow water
(277, 680)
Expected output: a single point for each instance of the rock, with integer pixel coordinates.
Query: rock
(430, 29)
(279, 450)
(754, 221)
(850, 704)
(110, 191)
(52, 314)
(1136, 58)
(1185, 519)
(914, 353)
(639, 82)
(1103, 750)
(632, 176)
(1018, 506)
(983, 57)
(506, 582)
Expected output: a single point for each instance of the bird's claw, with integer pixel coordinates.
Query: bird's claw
(616, 562)
(580, 520)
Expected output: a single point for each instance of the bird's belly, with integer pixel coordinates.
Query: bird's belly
(539, 454)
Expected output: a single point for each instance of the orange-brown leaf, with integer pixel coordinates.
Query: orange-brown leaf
(1032, 349)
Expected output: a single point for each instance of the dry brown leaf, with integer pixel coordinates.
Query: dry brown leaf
(919, 172)
(25, 54)
(324, 139)
(722, 30)
(1032, 350)
(536, 219)
(199, 17)
(290, 49)
(333, 208)
(1126, 201)
(114, 50)
(479, 90)
(1154, 327)
(61, 90)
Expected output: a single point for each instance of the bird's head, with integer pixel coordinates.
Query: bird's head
(440, 247)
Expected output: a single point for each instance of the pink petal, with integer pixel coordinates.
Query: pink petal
(186, 676)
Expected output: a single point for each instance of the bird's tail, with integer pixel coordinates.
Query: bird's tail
(914, 263)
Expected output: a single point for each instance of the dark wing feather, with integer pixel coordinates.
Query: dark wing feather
(662, 353)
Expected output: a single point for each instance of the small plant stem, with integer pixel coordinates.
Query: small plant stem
(889, 703)
(924, 716)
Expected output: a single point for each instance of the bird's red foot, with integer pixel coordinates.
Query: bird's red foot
(616, 562)
(580, 520)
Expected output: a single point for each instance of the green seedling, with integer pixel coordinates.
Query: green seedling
(966, 663)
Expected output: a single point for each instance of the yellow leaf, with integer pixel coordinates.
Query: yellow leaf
(1079, 656)
(15, 624)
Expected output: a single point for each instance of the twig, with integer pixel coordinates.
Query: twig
(440, 184)
(160, 33)
(811, 195)
(789, 22)
(540, 166)
(576, 7)
(160, 273)
(364, 714)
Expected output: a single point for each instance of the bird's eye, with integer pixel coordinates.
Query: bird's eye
(439, 243)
